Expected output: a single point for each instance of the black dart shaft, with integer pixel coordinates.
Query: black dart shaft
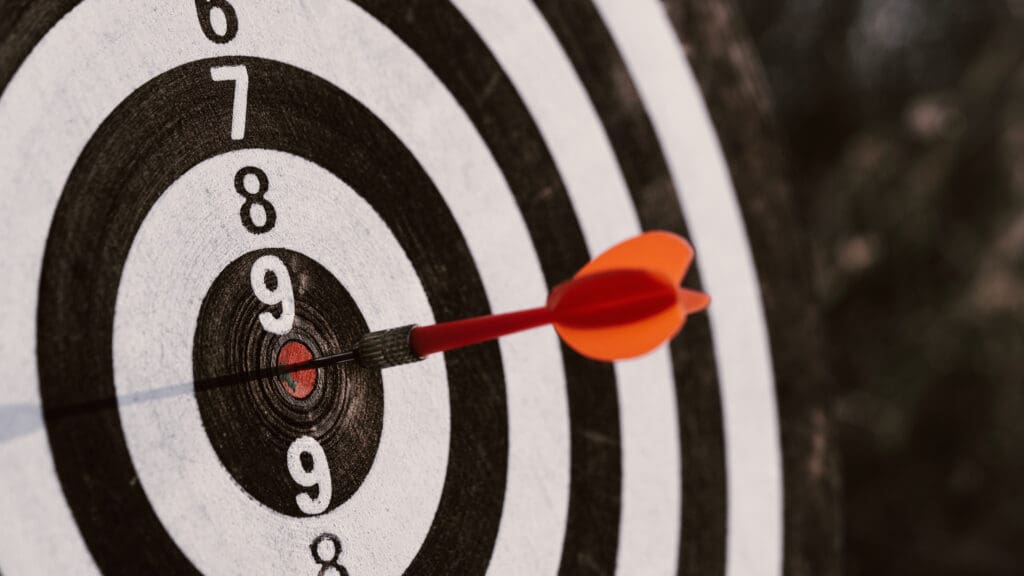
(203, 385)
(340, 358)
(242, 377)
(379, 349)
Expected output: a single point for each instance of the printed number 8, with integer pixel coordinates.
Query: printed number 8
(254, 199)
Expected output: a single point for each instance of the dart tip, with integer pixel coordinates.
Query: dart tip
(693, 301)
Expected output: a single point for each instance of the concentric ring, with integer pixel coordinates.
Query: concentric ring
(183, 474)
(495, 98)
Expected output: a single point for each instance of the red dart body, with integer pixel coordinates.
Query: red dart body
(427, 340)
(624, 303)
(607, 299)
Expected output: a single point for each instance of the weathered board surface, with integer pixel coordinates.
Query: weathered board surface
(739, 100)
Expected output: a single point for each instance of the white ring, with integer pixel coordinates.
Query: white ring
(383, 524)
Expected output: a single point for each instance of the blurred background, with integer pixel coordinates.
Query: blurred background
(905, 125)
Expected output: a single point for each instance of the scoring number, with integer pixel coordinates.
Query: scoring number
(240, 76)
(279, 294)
(245, 180)
(218, 20)
(313, 472)
(326, 550)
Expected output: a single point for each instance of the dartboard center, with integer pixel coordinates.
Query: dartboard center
(272, 309)
(297, 383)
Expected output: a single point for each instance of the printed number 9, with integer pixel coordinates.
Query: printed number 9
(318, 475)
(281, 294)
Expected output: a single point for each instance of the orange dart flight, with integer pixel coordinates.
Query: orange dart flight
(647, 269)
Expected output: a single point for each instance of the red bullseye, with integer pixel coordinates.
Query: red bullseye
(297, 383)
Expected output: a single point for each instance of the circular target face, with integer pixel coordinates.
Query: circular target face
(190, 191)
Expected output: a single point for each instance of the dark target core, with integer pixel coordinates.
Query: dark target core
(251, 425)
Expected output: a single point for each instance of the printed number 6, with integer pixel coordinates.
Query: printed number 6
(218, 20)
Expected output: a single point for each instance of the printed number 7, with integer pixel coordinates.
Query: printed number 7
(240, 76)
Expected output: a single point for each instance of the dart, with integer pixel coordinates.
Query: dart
(622, 304)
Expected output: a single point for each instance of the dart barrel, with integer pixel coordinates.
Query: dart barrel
(386, 348)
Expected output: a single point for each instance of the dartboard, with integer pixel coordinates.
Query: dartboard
(195, 188)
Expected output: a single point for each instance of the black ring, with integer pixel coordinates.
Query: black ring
(251, 426)
(137, 154)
